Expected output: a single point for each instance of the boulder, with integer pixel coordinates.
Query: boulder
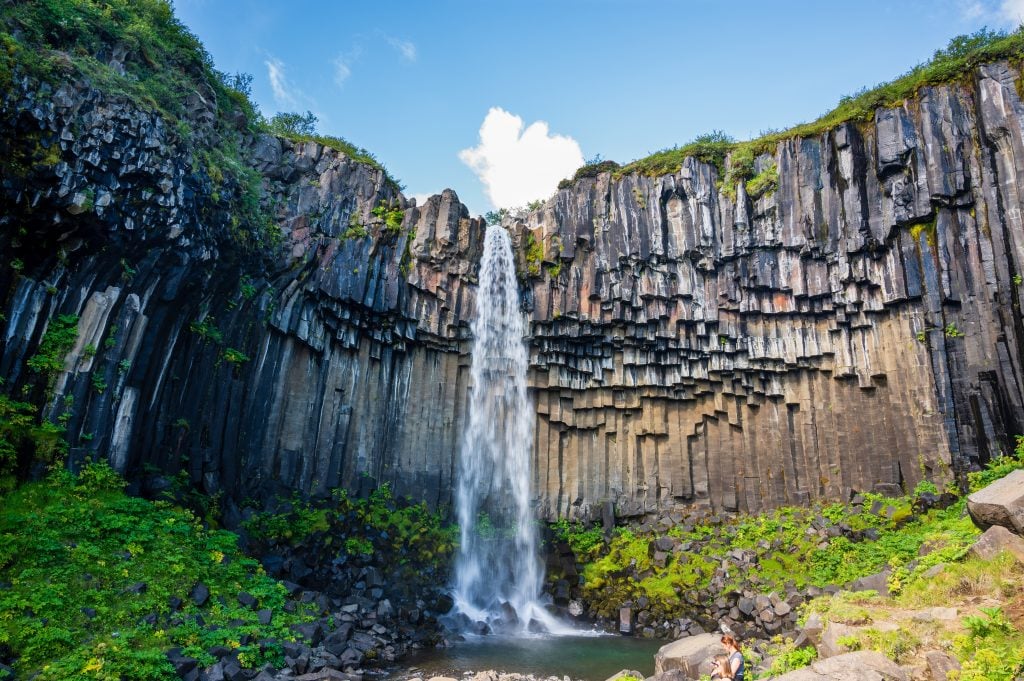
(863, 665)
(625, 672)
(996, 539)
(878, 582)
(940, 664)
(828, 644)
(1001, 503)
(690, 655)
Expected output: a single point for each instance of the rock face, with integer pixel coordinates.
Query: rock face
(857, 328)
(1001, 503)
(858, 666)
(352, 341)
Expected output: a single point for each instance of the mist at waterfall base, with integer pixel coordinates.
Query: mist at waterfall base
(498, 572)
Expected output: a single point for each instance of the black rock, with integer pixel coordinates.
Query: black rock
(200, 594)
(247, 599)
(182, 663)
(174, 603)
(136, 588)
(233, 672)
(264, 616)
(311, 631)
(89, 612)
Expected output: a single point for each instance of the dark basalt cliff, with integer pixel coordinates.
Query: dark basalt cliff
(857, 327)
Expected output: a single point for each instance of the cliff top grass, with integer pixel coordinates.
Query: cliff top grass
(954, 62)
(163, 62)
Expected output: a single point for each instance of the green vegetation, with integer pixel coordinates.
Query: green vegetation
(591, 168)
(391, 215)
(786, 657)
(765, 182)
(711, 148)
(954, 62)
(60, 337)
(407, 533)
(207, 330)
(246, 288)
(992, 649)
(234, 356)
(56, 40)
(302, 128)
(783, 546)
(952, 331)
(92, 575)
(356, 229)
(534, 255)
(23, 439)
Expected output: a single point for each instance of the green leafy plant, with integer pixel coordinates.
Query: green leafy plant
(60, 337)
(534, 254)
(207, 330)
(74, 552)
(392, 217)
(234, 356)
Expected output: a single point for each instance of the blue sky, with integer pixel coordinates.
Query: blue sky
(562, 81)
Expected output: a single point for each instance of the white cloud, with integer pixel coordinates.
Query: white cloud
(517, 166)
(405, 48)
(1012, 12)
(343, 64)
(421, 199)
(284, 93)
(972, 9)
(342, 70)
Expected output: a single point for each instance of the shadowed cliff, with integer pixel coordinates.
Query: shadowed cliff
(271, 314)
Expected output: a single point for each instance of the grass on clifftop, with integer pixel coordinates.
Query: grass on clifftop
(163, 64)
(88, 574)
(955, 61)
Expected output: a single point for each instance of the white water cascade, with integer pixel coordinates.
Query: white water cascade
(498, 572)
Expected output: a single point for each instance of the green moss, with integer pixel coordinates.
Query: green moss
(72, 550)
(711, 148)
(592, 168)
(764, 183)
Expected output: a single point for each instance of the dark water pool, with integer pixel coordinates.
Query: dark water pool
(592, 658)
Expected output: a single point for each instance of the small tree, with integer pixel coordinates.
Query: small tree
(291, 124)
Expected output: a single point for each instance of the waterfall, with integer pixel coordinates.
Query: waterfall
(498, 572)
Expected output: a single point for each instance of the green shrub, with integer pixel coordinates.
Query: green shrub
(71, 550)
(23, 439)
(997, 468)
(391, 216)
(60, 337)
(787, 658)
(534, 255)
